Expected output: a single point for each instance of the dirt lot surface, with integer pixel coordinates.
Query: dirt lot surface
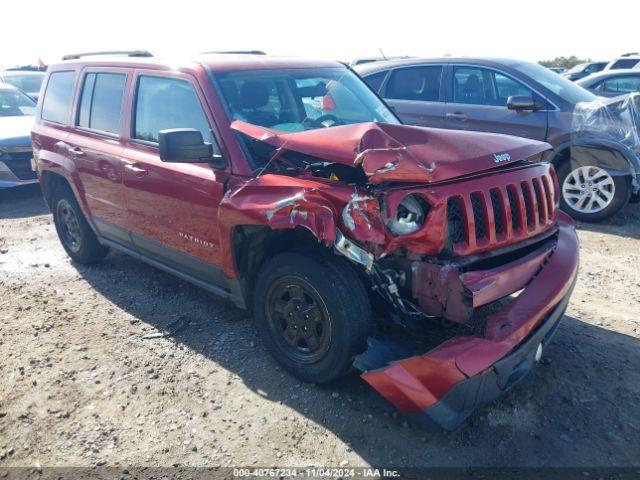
(86, 378)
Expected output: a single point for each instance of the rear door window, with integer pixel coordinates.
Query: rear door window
(163, 103)
(56, 105)
(415, 83)
(101, 102)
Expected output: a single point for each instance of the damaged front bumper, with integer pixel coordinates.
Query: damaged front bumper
(443, 386)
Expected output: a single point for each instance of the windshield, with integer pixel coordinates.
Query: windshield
(27, 83)
(15, 104)
(294, 100)
(565, 89)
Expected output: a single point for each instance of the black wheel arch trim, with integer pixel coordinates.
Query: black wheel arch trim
(477, 391)
(615, 158)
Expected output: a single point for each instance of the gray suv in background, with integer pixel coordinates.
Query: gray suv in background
(597, 175)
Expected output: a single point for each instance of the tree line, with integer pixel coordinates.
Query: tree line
(566, 62)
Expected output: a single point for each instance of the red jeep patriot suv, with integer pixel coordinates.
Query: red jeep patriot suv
(289, 187)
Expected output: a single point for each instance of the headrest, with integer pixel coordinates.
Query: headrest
(254, 94)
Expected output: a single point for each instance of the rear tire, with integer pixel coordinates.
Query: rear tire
(582, 184)
(75, 234)
(313, 314)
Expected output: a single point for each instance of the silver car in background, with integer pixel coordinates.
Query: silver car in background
(17, 112)
(612, 83)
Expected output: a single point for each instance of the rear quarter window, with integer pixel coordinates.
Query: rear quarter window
(56, 105)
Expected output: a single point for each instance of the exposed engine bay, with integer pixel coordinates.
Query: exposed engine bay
(437, 239)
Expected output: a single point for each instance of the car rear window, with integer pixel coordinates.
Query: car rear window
(624, 63)
(26, 82)
(56, 105)
(101, 101)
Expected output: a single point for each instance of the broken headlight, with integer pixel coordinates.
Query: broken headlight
(410, 216)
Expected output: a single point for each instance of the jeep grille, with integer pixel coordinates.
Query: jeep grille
(507, 209)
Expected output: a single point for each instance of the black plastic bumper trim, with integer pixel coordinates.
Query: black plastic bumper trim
(481, 389)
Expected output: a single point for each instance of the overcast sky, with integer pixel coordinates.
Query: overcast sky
(332, 29)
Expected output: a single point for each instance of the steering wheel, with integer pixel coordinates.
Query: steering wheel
(320, 121)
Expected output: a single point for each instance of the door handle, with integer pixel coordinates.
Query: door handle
(137, 171)
(461, 116)
(76, 152)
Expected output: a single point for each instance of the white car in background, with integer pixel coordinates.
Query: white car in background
(626, 61)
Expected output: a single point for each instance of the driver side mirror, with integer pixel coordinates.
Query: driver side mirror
(522, 102)
(186, 145)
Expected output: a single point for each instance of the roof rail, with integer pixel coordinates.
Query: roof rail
(630, 54)
(239, 52)
(128, 53)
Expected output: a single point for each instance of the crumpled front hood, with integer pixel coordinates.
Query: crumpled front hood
(15, 131)
(401, 153)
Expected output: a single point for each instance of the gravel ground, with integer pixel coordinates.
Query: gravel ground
(87, 378)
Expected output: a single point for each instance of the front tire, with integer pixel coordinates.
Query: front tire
(75, 234)
(590, 193)
(313, 314)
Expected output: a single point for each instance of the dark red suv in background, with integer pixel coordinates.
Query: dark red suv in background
(290, 188)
